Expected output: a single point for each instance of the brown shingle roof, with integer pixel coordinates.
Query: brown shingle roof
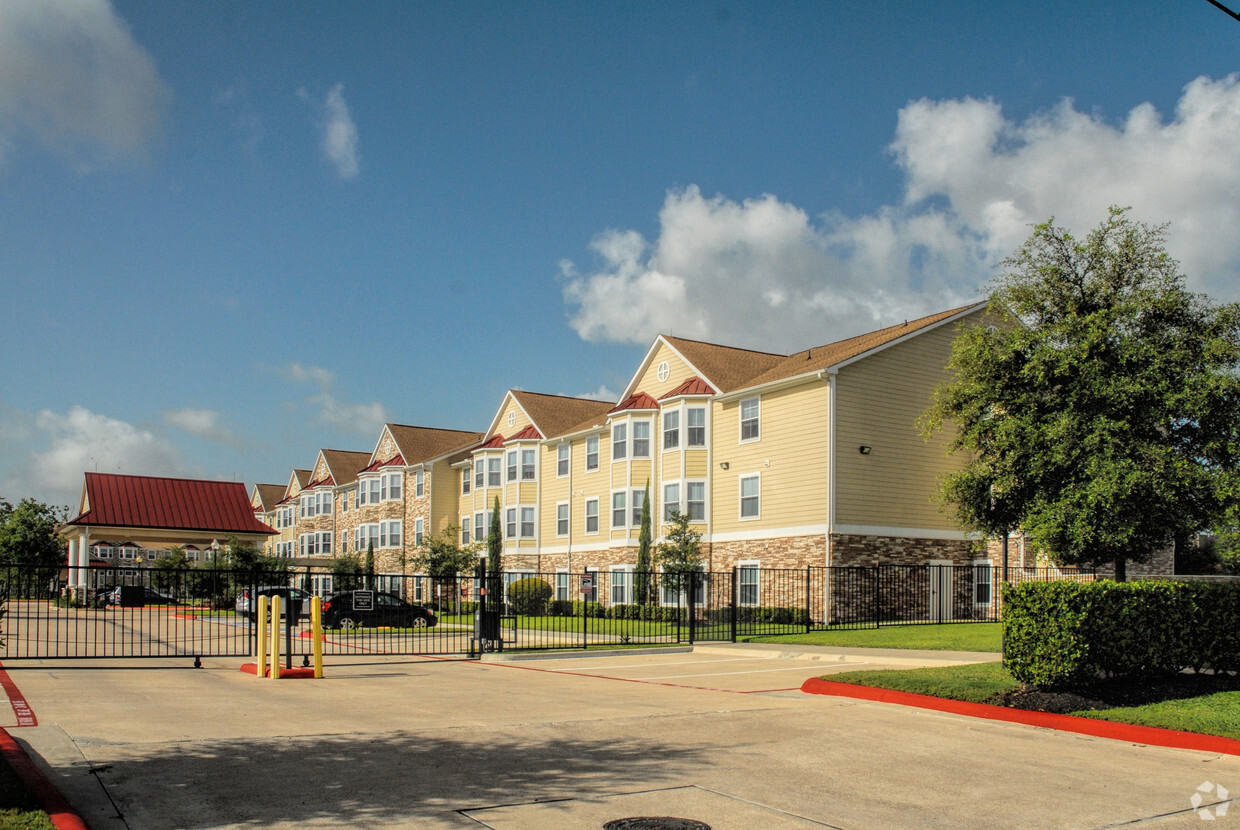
(823, 357)
(726, 367)
(419, 444)
(556, 415)
(344, 465)
(269, 495)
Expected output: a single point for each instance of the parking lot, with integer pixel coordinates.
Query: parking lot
(715, 735)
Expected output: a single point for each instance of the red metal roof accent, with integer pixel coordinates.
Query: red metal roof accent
(220, 507)
(693, 386)
(496, 443)
(530, 433)
(639, 401)
(322, 482)
(397, 460)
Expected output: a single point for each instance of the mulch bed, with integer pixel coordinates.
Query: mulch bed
(1111, 693)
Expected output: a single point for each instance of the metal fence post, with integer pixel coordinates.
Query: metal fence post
(808, 580)
(732, 601)
(878, 596)
(692, 605)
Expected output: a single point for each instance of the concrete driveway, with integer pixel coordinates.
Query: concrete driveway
(717, 735)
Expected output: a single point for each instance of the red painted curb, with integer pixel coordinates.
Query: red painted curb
(25, 715)
(1132, 733)
(53, 803)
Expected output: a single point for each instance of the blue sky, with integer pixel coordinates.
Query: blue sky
(234, 233)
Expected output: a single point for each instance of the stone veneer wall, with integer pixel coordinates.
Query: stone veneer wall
(852, 550)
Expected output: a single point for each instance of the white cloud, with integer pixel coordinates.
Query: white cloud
(339, 132)
(81, 440)
(73, 78)
(364, 418)
(762, 273)
(205, 423)
(600, 394)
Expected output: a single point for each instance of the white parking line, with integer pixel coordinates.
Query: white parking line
(810, 669)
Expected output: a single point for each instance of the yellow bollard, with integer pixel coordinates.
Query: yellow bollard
(260, 619)
(316, 634)
(275, 636)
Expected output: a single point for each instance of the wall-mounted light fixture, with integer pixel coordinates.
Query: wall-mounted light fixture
(723, 465)
(865, 449)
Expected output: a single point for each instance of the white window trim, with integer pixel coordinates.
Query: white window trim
(986, 563)
(679, 412)
(533, 464)
(567, 449)
(649, 439)
(598, 454)
(705, 427)
(664, 503)
(684, 488)
(568, 505)
(521, 508)
(585, 518)
(611, 508)
(740, 494)
(628, 585)
(740, 420)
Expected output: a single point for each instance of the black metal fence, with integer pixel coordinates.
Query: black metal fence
(153, 612)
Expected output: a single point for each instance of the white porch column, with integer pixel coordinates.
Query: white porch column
(83, 557)
(73, 561)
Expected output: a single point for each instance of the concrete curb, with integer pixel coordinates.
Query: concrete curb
(514, 657)
(63, 816)
(1131, 733)
(831, 654)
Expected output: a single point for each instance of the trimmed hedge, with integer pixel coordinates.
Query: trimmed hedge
(529, 596)
(1068, 634)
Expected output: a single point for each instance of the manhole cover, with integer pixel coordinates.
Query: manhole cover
(655, 823)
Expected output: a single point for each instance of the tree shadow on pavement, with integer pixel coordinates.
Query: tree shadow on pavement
(361, 780)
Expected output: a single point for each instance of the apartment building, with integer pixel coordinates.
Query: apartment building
(265, 499)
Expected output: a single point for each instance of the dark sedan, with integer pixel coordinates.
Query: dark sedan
(372, 609)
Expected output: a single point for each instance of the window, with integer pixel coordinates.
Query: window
(325, 543)
(671, 429)
(561, 586)
(696, 501)
(390, 486)
(480, 528)
(591, 515)
(325, 503)
(511, 523)
(621, 582)
(390, 533)
(478, 467)
(641, 439)
(465, 533)
(527, 523)
(561, 519)
(512, 465)
(369, 491)
(309, 543)
(418, 531)
(749, 419)
(697, 426)
(592, 453)
(751, 488)
(639, 499)
(528, 459)
(748, 583)
(420, 484)
(618, 510)
(981, 582)
(307, 505)
(671, 500)
(619, 442)
(493, 472)
(344, 502)
(561, 459)
(465, 482)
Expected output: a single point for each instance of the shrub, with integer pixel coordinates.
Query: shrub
(1065, 633)
(560, 608)
(528, 597)
(777, 615)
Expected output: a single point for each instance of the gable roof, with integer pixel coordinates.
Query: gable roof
(420, 444)
(218, 507)
(269, 495)
(833, 354)
(342, 466)
(530, 433)
(555, 415)
(639, 401)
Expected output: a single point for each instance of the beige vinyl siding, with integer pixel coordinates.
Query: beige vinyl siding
(553, 489)
(590, 485)
(678, 372)
(520, 421)
(793, 431)
(880, 399)
(695, 464)
(445, 484)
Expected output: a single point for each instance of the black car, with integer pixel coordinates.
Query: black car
(138, 595)
(371, 609)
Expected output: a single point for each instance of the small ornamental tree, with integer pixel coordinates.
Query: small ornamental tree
(641, 589)
(347, 572)
(681, 552)
(495, 542)
(369, 564)
(442, 558)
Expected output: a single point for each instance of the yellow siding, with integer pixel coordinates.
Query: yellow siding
(445, 502)
(791, 457)
(678, 373)
(520, 421)
(695, 464)
(880, 400)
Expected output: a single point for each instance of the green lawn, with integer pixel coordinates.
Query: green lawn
(942, 637)
(1212, 714)
(18, 808)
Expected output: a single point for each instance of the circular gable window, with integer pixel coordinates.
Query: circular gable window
(664, 371)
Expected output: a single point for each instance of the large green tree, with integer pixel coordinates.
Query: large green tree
(28, 534)
(1100, 408)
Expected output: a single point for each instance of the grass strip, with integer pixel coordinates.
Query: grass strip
(975, 683)
(19, 810)
(939, 637)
